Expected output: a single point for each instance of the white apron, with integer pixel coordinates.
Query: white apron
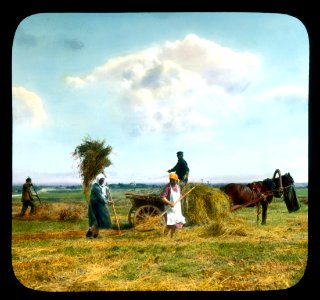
(174, 214)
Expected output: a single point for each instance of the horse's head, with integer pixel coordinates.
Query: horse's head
(287, 180)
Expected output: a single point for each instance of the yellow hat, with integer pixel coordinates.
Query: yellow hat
(173, 176)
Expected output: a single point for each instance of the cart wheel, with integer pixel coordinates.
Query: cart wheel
(147, 217)
(131, 215)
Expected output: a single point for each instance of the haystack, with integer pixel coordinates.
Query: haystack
(59, 211)
(205, 204)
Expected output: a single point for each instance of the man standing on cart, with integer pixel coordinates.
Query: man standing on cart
(181, 168)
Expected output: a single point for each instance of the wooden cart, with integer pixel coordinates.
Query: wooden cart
(146, 210)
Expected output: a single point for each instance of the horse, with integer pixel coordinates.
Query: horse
(247, 195)
(261, 193)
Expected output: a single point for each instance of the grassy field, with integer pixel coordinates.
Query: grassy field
(50, 251)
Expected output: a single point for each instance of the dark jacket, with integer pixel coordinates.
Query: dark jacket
(181, 168)
(98, 212)
(26, 192)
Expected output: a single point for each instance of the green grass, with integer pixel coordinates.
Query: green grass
(55, 256)
(22, 226)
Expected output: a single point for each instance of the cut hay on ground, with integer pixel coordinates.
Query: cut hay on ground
(56, 211)
(148, 223)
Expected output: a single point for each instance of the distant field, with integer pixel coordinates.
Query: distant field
(50, 251)
(59, 193)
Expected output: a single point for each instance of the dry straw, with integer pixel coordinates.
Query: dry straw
(58, 212)
(205, 204)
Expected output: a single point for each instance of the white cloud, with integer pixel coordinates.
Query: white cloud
(215, 64)
(27, 107)
(168, 88)
(75, 81)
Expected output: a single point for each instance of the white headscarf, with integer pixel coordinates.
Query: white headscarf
(99, 176)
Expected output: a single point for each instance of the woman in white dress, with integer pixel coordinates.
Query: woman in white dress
(171, 197)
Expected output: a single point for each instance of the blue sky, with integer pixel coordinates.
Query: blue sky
(230, 90)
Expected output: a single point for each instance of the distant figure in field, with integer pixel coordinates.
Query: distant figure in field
(171, 196)
(181, 168)
(27, 198)
(98, 212)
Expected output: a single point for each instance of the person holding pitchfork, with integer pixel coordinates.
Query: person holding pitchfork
(171, 196)
(98, 213)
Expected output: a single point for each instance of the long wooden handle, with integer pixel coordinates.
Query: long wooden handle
(114, 210)
(178, 201)
(36, 194)
(113, 207)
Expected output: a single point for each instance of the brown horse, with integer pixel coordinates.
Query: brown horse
(261, 193)
(246, 195)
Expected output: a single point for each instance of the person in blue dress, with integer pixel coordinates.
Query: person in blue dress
(98, 212)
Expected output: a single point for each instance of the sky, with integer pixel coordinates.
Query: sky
(230, 90)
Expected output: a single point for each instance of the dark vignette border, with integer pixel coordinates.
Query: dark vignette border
(13, 15)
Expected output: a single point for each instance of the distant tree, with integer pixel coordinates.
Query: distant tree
(93, 158)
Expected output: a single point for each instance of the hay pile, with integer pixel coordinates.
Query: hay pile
(205, 204)
(57, 211)
(210, 207)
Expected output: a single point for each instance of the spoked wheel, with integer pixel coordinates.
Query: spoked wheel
(131, 213)
(147, 217)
